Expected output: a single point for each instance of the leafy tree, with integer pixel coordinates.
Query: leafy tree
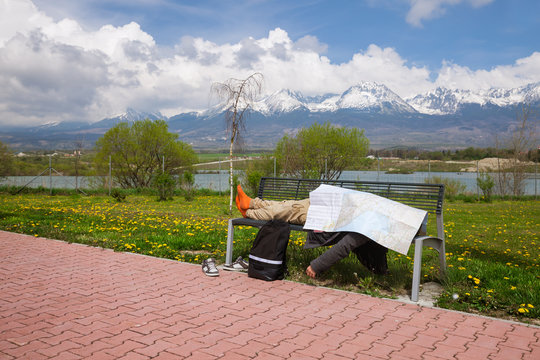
(239, 96)
(140, 150)
(321, 151)
(6, 160)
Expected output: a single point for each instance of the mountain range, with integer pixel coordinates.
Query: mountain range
(441, 118)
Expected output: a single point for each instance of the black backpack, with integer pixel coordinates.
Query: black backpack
(268, 255)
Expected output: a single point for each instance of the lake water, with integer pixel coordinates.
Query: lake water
(219, 180)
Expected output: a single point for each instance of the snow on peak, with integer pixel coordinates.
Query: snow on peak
(364, 96)
(370, 95)
(281, 101)
(133, 115)
(442, 101)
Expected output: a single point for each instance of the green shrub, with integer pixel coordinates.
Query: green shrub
(188, 182)
(452, 187)
(486, 183)
(253, 178)
(164, 184)
(118, 195)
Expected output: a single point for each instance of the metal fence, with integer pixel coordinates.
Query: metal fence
(219, 180)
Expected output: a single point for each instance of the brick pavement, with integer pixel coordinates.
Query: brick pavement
(69, 301)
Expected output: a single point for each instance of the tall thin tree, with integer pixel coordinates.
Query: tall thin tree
(239, 96)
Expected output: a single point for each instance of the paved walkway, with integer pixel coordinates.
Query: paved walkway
(68, 301)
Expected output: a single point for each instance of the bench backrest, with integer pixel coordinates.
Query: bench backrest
(427, 197)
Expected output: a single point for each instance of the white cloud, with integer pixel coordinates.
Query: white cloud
(56, 70)
(430, 9)
(523, 71)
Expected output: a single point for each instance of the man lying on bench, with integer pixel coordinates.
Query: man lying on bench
(368, 252)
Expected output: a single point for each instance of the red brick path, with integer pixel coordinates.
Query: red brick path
(68, 301)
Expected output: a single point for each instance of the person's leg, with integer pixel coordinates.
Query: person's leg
(292, 211)
(373, 257)
(339, 251)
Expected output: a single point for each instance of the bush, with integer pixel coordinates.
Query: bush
(188, 181)
(253, 178)
(118, 195)
(165, 184)
(452, 187)
(486, 183)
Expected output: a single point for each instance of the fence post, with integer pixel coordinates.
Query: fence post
(275, 166)
(326, 168)
(535, 180)
(477, 175)
(110, 175)
(50, 174)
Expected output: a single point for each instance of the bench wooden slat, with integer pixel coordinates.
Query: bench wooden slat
(423, 196)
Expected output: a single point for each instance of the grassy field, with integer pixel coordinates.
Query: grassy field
(493, 249)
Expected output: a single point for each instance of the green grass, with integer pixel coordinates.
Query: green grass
(493, 250)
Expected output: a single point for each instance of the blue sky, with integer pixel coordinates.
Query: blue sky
(479, 36)
(163, 55)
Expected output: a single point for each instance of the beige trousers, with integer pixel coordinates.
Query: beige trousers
(292, 211)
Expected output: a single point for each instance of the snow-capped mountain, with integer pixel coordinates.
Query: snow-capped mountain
(443, 116)
(442, 101)
(371, 96)
(132, 115)
(280, 102)
(367, 96)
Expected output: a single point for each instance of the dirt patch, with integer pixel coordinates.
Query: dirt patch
(491, 164)
(195, 252)
(428, 295)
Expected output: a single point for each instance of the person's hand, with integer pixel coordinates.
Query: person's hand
(310, 272)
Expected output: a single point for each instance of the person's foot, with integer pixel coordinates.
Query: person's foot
(310, 272)
(242, 201)
(239, 206)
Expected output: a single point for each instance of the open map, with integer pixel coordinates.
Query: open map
(385, 221)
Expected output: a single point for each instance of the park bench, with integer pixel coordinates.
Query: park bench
(428, 197)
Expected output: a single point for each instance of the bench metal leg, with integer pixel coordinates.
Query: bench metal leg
(417, 269)
(230, 238)
(420, 242)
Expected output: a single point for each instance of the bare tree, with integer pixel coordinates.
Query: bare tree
(79, 144)
(239, 96)
(512, 174)
(521, 141)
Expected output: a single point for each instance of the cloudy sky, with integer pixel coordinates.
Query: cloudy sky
(85, 60)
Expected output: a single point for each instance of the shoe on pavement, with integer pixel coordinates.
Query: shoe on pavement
(209, 267)
(238, 265)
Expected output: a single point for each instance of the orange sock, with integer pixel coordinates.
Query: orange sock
(242, 211)
(243, 200)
